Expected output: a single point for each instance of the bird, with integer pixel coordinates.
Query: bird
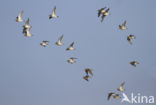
(104, 14)
(53, 15)
(44, 43)
(130, 37)
(86, 77)
(26, 25)
(70, 47)
(134, 63)
(27, 33)
(123, 26)
(19, 17)
(26, 29)
(71, 60)
(59, 43)
(89, 71)
(115, 96)
(121, 89)
(100, 11)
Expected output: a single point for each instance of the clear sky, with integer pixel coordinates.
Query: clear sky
(34, 75)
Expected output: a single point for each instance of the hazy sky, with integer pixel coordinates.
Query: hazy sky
(34, 75)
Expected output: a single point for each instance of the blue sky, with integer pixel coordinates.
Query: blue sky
(33, 75)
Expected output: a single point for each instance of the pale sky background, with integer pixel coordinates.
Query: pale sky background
(34, 75)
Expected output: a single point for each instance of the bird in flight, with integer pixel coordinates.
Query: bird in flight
(27, 33)
(53, 15)
(26, 26)
(70, 47)
(134, 63)
(130, 37)
(115, 96)
(123, 26)
(59, 43)
(104, 14)
(86, 77)
(101, 11)
(44, 43)
(71, 60)
(89, 71)
(19, 17)
(121, 89)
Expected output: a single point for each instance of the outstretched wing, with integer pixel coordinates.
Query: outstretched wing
(20, 14)
(122, 84)
(102, 17)
(124, 23)
(53, 12)
(71, 45)
(27, 22)
(109, 95)
(87, 70)
(60, 38)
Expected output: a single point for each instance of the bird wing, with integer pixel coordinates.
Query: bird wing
(53, 11)
(60, 38)
(45, 41)
(121, 86)
(102, 17)
(90, 72)
(71, 45)
(107, 10)
(109, 95)
(124, 23)
(99, 12)
(20, 14)
(27, 22)
(73, 58)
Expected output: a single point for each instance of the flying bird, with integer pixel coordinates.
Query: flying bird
(134, 63)
(27, 33)
(59, 43)
(89, 71)
(53, 15)
(115, 96)
(71, 60)
(26, 26)
(121, 89)
(86, 77)
(19, 17)
(44, 43)
(70, 47)
(100, 11)
(123, 26)
(130, 37)
(104, 14)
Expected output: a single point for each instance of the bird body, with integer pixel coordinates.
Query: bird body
(27, 33)
(134, 63)
(71, 60)
(101, 11)
(123, 26)
(26, 25)
(86, 77)
(104, 14)
(19, 17)
(70, 47)
(53, 15)
(59, 43)
(89, 71)
(130, 37)
(44, 43)
(121, 89)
